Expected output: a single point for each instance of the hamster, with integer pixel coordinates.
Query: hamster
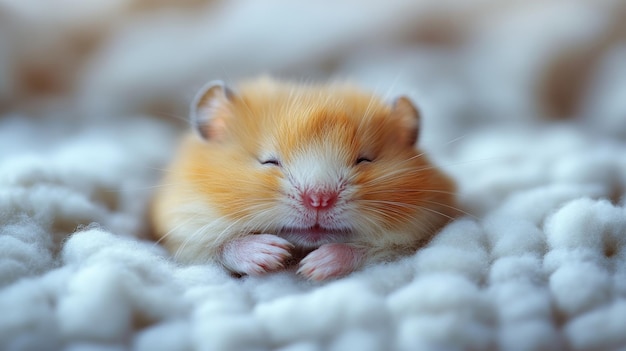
(276, 168)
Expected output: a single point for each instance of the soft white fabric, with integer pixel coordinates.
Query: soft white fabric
(538, 263)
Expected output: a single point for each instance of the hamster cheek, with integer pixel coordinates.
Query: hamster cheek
(256, 254)
(331, 261)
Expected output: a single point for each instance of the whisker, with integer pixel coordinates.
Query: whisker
(461, 137)
(193, 216)
(389, 211)
(437, 212)
(198, 232)
(452, 208)
(169, 232)
(403, 172)
(170, 115)
(416, 191)
(395, 81)
(419, 207)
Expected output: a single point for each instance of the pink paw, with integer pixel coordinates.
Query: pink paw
(256, 254)
(331, 261)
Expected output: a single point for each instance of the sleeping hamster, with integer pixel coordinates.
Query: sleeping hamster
(276, 168)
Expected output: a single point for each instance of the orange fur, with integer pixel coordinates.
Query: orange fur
(218, 190)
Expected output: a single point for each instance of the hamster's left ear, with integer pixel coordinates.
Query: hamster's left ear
(409, 117)
(210, 109)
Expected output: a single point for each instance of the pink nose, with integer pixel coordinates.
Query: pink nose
(319, 200)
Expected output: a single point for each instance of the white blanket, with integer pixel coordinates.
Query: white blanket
(538, 263)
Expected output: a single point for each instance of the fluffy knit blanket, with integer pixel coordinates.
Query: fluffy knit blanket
(538, 262)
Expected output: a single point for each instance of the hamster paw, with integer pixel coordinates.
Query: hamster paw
(256, 254)
(331, 261)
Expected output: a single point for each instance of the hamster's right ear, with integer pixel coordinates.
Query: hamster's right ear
(209, 110)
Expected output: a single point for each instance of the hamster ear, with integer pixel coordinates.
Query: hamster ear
(210, 108)
(409, 117)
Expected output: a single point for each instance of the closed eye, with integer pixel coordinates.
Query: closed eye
(271, 162)
(362, 160)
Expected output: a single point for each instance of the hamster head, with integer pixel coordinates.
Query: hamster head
(312, 164)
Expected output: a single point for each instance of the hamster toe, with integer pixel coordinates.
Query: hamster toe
(331, 261)
(256, 254)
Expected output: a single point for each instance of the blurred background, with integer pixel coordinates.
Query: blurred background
(67, 66)
(523, 101)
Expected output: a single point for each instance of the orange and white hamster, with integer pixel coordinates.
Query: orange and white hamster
(275, 168)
